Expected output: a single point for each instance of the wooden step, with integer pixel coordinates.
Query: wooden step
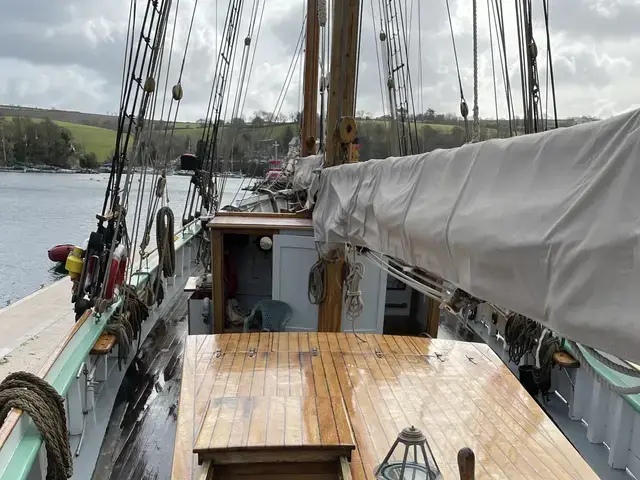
(565, 360)
(104, 345)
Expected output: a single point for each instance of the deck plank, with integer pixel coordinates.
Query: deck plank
(290, 395)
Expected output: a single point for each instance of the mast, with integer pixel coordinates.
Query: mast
(341, 131)
(310, 109)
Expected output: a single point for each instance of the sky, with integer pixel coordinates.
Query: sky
(68, 55)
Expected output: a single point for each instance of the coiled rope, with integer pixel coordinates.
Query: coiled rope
(316, 285)
(353, 296)
(164, 241)
(127, 323)
(353, 272)
(45, 406)
(521, 335)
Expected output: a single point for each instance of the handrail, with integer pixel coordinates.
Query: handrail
(59, 372)
(612, 376)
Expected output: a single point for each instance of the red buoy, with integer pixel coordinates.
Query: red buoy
(59, 253)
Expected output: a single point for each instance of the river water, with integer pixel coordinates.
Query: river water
(41, 210)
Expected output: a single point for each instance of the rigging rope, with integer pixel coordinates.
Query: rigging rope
(493, 69)
(476, 110)
(45, 406)
(164, 242)
(545, 6)
(498, 21)
(464, 109)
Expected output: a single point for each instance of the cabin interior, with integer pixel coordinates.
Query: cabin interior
(268, 256)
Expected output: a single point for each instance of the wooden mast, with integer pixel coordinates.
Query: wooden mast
(341, 130)
(311, 67)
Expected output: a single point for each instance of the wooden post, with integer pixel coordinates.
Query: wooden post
(217, 280)
(310, 109)
(467, 464)
(341, 104)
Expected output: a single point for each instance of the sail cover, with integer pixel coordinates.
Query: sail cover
(547, 225)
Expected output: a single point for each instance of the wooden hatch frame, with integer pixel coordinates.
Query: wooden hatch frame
(247, 223)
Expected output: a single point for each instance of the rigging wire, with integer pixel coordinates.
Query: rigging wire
(545, 6)
(464, 109)
(249, 79)
(476, 110)
(420, 66)
(380, 73)
(279, 102)
(493, 70)
(500, 39)
(241, 92)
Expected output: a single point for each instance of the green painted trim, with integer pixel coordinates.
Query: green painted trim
(64, 370)
(614, 377)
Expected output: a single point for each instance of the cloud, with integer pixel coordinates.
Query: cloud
(68, 54)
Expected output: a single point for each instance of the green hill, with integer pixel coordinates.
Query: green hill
(96, 140)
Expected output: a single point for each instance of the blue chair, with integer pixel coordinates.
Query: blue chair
(268, 316)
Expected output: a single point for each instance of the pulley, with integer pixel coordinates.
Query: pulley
(383, 36)
(347, 129)
(324, 83)
(464, 108)
(533, 49)
(391, 82)
(247, 41)
(150, 85)
(177, 92)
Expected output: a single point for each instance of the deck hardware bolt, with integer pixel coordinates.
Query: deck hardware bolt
(314, 351)
(378, 353)
(218, 353)
(252, 351)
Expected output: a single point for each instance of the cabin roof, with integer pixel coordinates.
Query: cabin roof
(259, 221)
(459, 394)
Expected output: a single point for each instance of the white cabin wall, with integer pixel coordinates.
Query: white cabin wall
(293, 256)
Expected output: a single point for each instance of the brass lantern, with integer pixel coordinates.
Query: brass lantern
(416, 469)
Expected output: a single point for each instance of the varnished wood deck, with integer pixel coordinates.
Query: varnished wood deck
(459, 394)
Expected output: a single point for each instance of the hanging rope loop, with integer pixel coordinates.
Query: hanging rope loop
(164, 241)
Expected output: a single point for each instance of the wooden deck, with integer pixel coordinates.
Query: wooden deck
(459, 394)
(32, 327)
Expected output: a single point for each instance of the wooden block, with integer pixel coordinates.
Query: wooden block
(565, 359)
(104, 344)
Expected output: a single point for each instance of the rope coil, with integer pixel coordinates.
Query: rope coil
(317, 279)
(164, 241)
(45, 406)
(353, 295)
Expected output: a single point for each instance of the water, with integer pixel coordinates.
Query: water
(41, 210)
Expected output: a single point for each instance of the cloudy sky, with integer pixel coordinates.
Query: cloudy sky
(67, 54)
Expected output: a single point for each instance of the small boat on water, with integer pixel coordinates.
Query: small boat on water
(59, 253)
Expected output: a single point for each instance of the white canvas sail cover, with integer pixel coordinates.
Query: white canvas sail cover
(547, 225)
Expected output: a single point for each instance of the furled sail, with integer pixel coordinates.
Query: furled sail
(547, 225)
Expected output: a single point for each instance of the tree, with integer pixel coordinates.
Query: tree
(88, 160)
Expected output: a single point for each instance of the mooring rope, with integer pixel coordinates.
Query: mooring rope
(45, 406)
